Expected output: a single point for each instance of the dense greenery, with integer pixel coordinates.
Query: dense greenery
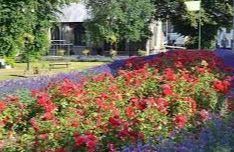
(24, 23)
(24, 26)
(215, 14)
(116, 21)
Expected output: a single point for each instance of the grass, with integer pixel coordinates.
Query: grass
(20, 69)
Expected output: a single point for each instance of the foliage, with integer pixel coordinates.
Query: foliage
(10, 61)
(86, 52)
(60, 52)
(141, 52)
(116, 21)
(113, 53)
(214, 14)
(21, 17)
(147, 98)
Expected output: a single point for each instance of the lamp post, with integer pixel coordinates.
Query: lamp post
(196, 6)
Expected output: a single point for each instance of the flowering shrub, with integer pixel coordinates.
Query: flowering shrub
(147, 97)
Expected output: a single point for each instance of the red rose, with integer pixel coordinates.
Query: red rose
(43, 100)
(129, 112)
(221, 86)
(115, 121)
(200, 70)
(169, 74)
(180, 120)
(166, 89)
(2, 106)
(79, 140)
(90, 145)
(74, 124)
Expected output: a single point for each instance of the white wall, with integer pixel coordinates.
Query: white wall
(224, 38)
(155, 43)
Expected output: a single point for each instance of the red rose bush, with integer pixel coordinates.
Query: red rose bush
(147, 98)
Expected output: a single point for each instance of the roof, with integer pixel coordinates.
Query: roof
(74, 12)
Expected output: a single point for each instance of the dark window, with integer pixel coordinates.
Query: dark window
(55, 34)
(79, 33)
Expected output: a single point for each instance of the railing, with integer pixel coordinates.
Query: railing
(60, 44)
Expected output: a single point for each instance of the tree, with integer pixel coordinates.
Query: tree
(215, 14)
(27, 17)
(114, 21)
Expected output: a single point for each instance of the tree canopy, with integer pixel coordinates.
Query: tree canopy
(116, 20)
(112, 21)
(214, 15)
(26, 20)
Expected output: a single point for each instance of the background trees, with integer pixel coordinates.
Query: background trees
(24, 21)
(215, 14)
(114, 21)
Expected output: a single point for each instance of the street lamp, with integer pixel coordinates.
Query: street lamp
(196, 6)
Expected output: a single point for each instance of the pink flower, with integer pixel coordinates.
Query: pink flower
(48, 116)
(192, 103)
(162, 105)
(200, 70)
(43, 136)
(34, 125)
(204, 115)
(111, 147)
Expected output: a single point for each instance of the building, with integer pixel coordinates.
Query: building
(69, 34)
(224, 38)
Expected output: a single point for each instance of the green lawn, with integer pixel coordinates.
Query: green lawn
(20, 69)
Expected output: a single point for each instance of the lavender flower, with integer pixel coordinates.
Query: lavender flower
(216, 135)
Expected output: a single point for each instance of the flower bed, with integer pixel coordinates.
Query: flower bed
(15, 85)
(146, 97)
(215, 135)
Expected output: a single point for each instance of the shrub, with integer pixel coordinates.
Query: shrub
(148, 97)
(60, 52)
(86, 52)
(141, 52)
(10, 61)
(113, 53)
